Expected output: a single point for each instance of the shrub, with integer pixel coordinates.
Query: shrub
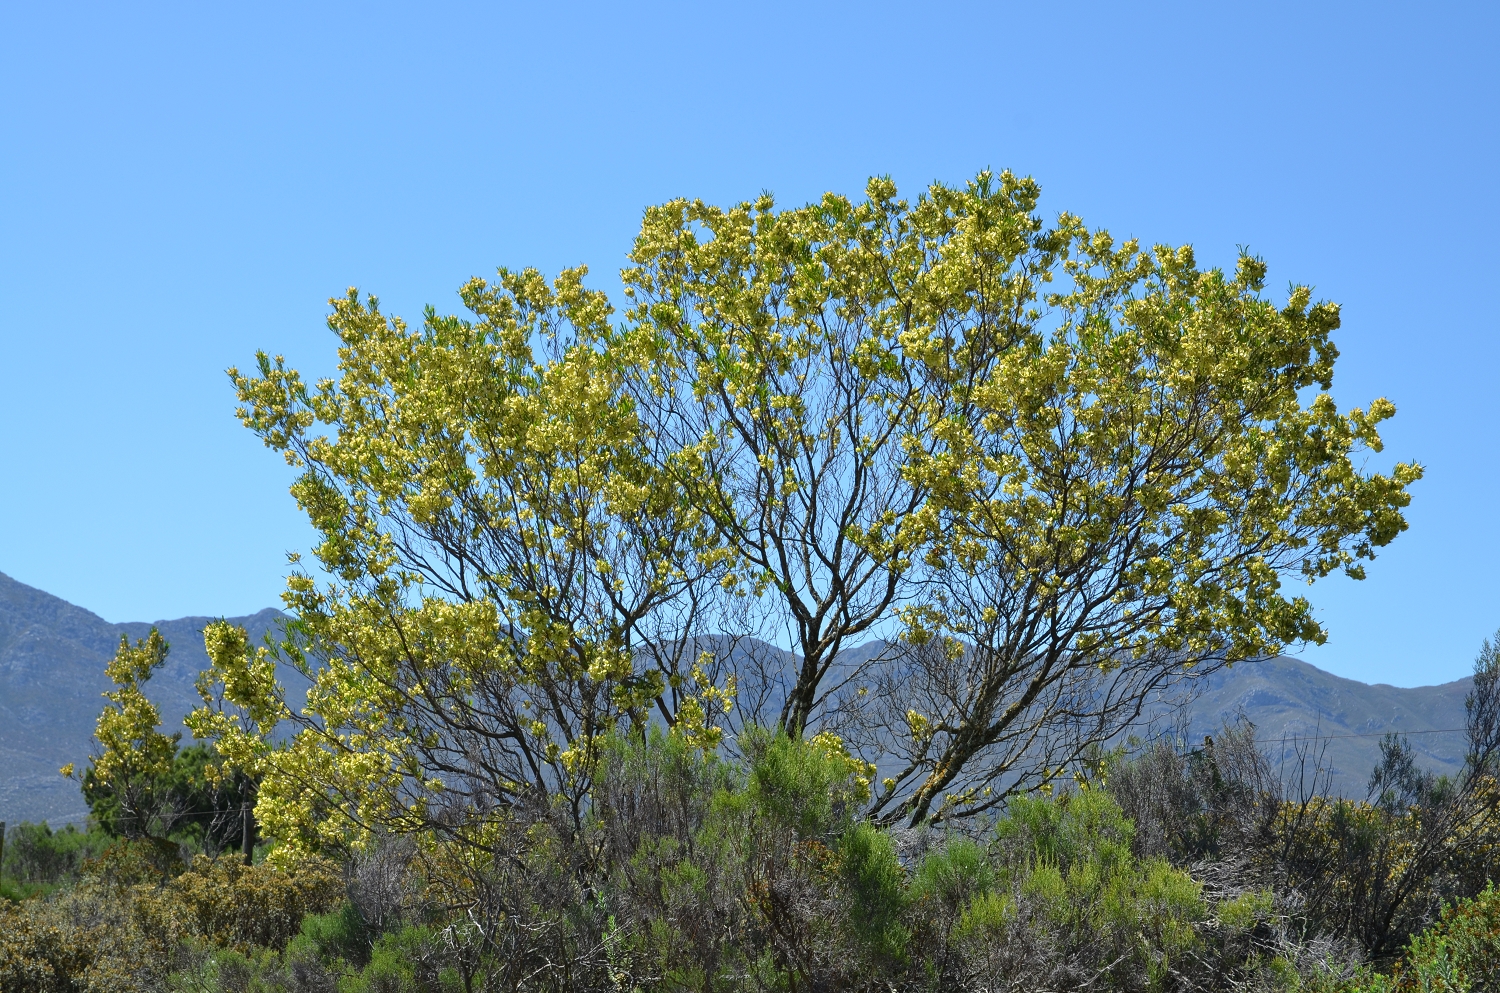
(36, 956)
(407, 959)
(721, 870)
(339, 935)
(241, 907)
(876, 889)
(1460, 952)
(127, 925)
(38, 856)
(1376, 872)
(696, 871)
(1082, 902)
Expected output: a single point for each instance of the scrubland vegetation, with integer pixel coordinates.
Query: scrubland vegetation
(991, 486)
(1166, 871)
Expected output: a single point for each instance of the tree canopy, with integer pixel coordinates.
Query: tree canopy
(947, 486)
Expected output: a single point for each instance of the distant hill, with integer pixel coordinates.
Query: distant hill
(1291, 702)
(52, 658)
(1302, 713)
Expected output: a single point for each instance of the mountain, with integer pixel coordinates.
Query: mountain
(1306, 720)
(1341, 721)
(52, 658)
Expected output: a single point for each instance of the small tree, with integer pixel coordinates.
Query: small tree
(126, 781)
(142, 784)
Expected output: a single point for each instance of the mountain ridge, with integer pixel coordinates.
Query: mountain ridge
(1294, 703)
(53, 653)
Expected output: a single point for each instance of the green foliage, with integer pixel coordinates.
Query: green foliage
(135, 862)
(700, 871)
(1087, 827)
(766, 880)
(37, 956)
(403, 960)
(227, 970)
(877, 892)
(341, 934)
(38, 858)
(1247, 910)
(1072, 866)
(726, 869)
(809, 788)
(954, 874)
(1460, 952)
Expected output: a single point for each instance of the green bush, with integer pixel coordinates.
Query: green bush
(797, 785)
(695, 871)
(38, 858)
(337, 936)
(1072, 866)
(404, 961)
(1084, 827)
(877, 890)
(1460, 952)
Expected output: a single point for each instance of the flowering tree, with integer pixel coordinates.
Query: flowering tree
(1050, 471)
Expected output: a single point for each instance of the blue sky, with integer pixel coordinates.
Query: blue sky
(181, 185)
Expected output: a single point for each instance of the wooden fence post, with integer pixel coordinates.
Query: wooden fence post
(247, 833)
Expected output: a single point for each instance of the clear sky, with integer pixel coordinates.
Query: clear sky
(181, 185)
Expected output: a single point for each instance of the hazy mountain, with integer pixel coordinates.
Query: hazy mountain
(1306, 719)
(52, 658)
(1341, 721)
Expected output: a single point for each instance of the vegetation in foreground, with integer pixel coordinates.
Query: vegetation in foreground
(548, 745)
(1165, 871)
